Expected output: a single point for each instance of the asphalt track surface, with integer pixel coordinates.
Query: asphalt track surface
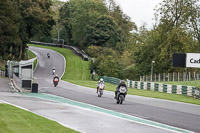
(181, 115)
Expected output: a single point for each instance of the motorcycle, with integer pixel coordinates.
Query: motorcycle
(100, 89)
(48, 55)
(55, 82)
(54, 71)
(121, 95)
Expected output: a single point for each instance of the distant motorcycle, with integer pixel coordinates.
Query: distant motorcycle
(54, 71)
(48, 55)
(121, 95)
(55, 82)
(100, 89)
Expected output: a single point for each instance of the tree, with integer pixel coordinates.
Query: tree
(78, 17)
(35, 21)
(181, 13)
(9, 39)
(104, 33)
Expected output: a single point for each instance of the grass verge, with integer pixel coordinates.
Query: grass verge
(2, 64)
(77, 72)
(15, 120)
(30, 56)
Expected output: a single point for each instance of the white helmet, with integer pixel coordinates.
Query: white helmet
(101, 80)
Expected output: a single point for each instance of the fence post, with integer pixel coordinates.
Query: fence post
(164, 77)
(173, 76)
(178, 77)
(168, 76)
(189, 76)
(159, 77)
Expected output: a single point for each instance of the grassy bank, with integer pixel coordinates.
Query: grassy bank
(15, 120)
(77, 72)
(2, 64)
(30, 56)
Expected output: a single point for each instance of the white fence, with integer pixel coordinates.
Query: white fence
(175, 76)
(2, 73)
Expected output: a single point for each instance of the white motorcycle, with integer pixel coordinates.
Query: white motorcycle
(121, 94)
(100, 89)
(54, 71)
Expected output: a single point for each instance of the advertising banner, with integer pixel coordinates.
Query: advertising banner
(193, 60)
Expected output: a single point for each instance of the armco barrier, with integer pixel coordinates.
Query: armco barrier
(165, 88)
(111, 80)
(76, 50)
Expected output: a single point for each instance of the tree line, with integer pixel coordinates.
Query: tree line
(121, 49)
(20, 22)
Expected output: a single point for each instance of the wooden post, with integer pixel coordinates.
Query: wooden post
(178, 77)
(164, 77)
(173, 77)
(189, 76)
(168, 76)
(159, 77)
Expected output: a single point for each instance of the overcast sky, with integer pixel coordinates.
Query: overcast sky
(140, 11)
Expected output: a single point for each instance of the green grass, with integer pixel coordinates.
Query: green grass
(77, 72)
(30, 56)
(15, 120)
(76, 68)
(2, 64)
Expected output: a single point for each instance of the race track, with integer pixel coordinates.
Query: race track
(176, 114)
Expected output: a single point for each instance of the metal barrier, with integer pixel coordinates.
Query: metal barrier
(165, 88)
(111, 80)
(79, 52)
(196, 93)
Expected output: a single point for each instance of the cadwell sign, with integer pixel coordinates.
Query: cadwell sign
(193, 60)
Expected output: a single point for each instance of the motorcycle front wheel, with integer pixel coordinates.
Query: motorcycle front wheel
(121, 99)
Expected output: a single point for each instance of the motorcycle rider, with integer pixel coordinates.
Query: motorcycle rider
(100, 81)
(122, 83)
(48, 55)
(54, 70)
(55, 77)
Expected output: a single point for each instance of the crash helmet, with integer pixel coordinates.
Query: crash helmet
(101, 79)
(122, 82)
